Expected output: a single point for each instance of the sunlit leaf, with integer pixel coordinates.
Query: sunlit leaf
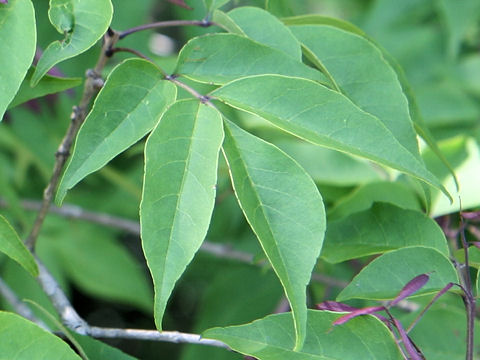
(128, 106)
(81, 22)
(18, 39)
(284, 209)
(181, 158)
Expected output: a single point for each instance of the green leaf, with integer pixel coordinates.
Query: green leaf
(418, 122)
(22, 339)
(284, 209)
(226, 22)
(128, 107)
(385, 276)
(181, 159)
(324, 117)
(13, 247)
(18, 39)
(382, 228)
(101, 267)
(272, 338)
(261, 26)
(47, 85)
(440, 333)
(359, 70)
(396, 193)
(97, 350)
(82, 22)
(279, 8)
(220, 58)
(214, 4)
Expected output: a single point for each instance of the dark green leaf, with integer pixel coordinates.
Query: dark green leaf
(18, 39)
(272, 338)
(47, 85)
(82, 22)
(181, 158)
(22, 339)
(385, 276)
(128, 106)
(382, 228)
(284, 209)
(324, 117)
(220, 58)
(13, 247)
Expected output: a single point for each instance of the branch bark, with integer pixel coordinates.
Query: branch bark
(71, 319)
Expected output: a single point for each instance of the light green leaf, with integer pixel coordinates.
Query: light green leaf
(226, 22)
(220, 58)
(214, 4)
(261, 26)
(22, 339)
(18, 39)
(324, 117)
(359, 70)
(181, 159)
(272, 338)
(82, 22)
(279, 8)
(382, 228)
(385, 276)
(284, 209)
(128, 107)
(13, 247)
(47, 85)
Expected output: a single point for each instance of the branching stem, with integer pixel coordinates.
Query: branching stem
(78, 116)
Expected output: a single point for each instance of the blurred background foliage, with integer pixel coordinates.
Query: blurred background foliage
(437, 43)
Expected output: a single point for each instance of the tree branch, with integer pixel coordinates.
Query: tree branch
(78, 116)
(74, 322)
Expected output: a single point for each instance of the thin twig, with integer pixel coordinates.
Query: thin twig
(18, 305)
(78, 116)
(74, 322)
(204, 99)
(129, 50)
(163, 24)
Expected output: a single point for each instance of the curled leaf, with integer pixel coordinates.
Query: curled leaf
(412, 287)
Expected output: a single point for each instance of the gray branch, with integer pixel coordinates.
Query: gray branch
(18, 305)
(74, 322)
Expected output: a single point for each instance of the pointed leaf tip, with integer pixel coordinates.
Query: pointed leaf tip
(412, 287)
